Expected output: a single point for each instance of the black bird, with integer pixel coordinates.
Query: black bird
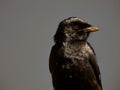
(72, 62)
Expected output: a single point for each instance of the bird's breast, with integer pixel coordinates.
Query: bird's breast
(77, 51)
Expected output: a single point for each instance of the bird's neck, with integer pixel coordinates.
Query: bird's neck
(75, 43)
(77, 38)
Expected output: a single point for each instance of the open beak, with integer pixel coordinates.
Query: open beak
(91, 29)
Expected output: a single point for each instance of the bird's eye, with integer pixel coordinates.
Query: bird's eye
(76, 27)
(79, 25)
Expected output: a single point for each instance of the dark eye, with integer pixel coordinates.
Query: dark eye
(76, 27)
(79, 25)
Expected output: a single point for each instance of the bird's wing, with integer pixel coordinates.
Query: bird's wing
(96, 69)
(55, 55)
(93, 62)
(52, 59)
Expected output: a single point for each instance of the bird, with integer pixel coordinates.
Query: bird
(72, 62)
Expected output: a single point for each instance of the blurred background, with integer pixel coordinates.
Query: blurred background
(26, 37)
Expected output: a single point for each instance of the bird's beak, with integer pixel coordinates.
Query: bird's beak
(91, 29)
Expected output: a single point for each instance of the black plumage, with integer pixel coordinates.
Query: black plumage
(72, 62)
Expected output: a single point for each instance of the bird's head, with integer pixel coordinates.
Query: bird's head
(73, 29)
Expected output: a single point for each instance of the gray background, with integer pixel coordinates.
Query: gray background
(26, 36)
